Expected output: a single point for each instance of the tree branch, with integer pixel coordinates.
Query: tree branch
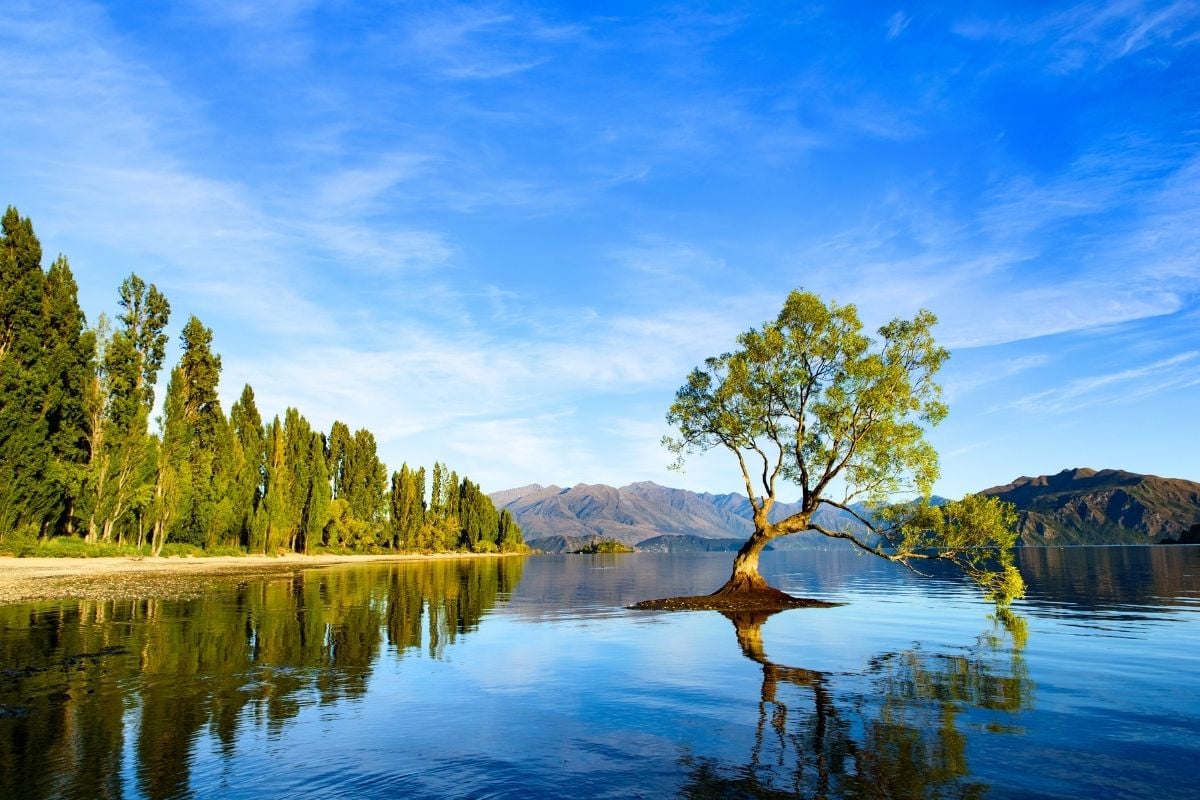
(899, 558)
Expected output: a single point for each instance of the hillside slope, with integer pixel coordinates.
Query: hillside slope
(1076, 506)
(1085, 506)
(554, 519)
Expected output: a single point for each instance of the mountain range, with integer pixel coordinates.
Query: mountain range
(1076, 506)
(1111, 506)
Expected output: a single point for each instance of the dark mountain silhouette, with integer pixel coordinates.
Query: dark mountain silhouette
(1083, 506)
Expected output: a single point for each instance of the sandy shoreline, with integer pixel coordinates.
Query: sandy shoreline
(24, 579)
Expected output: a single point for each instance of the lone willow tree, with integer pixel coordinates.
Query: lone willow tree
(809, 401)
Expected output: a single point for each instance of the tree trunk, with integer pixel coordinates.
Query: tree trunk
(746, 579)
(158, 537)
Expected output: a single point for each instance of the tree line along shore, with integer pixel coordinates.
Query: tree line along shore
(84, 472)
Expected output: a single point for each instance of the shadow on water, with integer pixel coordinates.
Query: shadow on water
(900, 734)
(79, 678)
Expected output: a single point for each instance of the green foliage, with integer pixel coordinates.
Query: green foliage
(605, 546)
(182, 550)
(76, 452)
(478, 517)
(173, 485)
(27, 495)
(65, 547)
(407, 499)
(118, 403)
(67, 361)
(344, 531)
(248, 453)
(320, 493)
(208, 514)
(508, 535)
(810, 400)
(977, 533)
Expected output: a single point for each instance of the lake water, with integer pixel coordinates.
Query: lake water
(529, 678)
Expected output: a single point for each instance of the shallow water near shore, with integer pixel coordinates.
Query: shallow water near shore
(530, 678)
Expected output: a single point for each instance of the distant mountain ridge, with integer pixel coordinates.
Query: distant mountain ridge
(1108, 506)
(555, 519)
(1075, 506)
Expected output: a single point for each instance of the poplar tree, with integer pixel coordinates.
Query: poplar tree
(297, 442)
(172, 493)
(120, 448)
(366, 479)
(275, 511)
(407, 507)
(478, 519)
(509, 532)
(26, 494)
(200, 370)
(320, 495)
(437, 507)
(248, 448)
(340, 445)
(68, 354)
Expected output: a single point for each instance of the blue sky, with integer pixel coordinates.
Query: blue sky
(501, 234)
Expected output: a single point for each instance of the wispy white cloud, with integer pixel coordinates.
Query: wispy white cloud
(1094, 34)
(361, 246)
(498, 449)
(962, 384)
(464, 42)
(272, 34)
(897, 23)
(1123, 386)
(363, 188)
(1105, 241)
(101, 140)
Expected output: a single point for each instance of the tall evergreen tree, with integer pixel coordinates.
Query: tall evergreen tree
(341, 446)
(316, 512)
(416, 539)
(509, 532)
(200, 369)
(248, 448)
(478, 519)
(173, 473)
(276, 510)
(27, 496)
(366, 478)
(437, 491)
(297, 437)
(407, 501)
(450, 495)
(68, 353)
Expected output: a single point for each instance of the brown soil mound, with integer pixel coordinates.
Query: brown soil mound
(769, 600)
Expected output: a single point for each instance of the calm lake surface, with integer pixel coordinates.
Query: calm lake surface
(529, 678)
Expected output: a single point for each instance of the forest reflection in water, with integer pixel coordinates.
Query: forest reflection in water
(79, 677)
(530, 678)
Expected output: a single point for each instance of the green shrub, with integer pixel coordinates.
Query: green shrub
(224, 550)
(26, 546)
(181, 550)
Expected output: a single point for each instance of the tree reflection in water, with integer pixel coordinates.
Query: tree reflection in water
(898, 735)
